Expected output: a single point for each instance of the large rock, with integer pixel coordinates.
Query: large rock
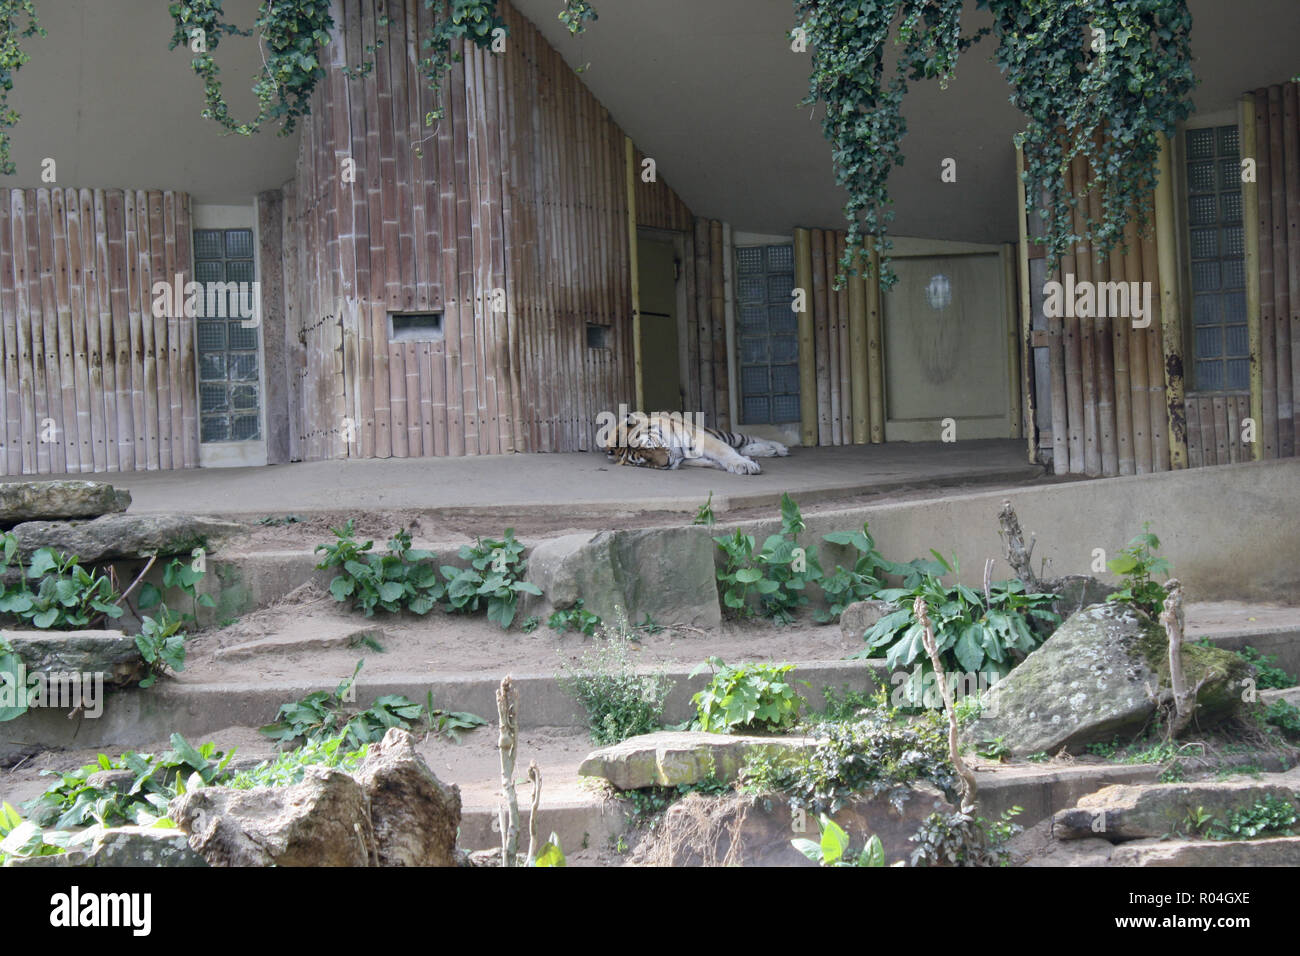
(1074, 592)
(673, 757)
(322, 821)
(415, 815)
(1099, 675)
(124, 846)
(1278, 851)
(111, 653)
(667, 573)
(743, 830)
(1133, 812)
(861, 616)
(125, 536)
(45, 500)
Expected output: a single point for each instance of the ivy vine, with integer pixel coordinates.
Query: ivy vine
(12, 57)
(1078, 68)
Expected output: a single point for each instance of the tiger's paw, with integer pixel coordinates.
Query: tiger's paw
(744, 466)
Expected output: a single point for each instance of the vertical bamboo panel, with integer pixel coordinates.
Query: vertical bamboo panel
(1291, 163)
(845, 355)
(861, 415)
(832, 339)
(1156, 387)
(185, 333)
(1088, 371)
(63, 361)
(12, 459)
(1124, 438)
(876, 350)
(1171, 312)
(820, 335)
(1074, 389)
(1250, 213)
(1281, 292)
(1139, 368)
(1030, 416)
(1103, 357)
(1269, 433)
(803, 280)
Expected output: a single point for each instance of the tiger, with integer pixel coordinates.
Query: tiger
(664, 440)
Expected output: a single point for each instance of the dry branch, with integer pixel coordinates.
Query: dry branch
(1018, 556)
(927, 637)
(507, 739)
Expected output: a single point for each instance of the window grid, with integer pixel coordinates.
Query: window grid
(227, 352)
(1220, 349)
(769, 342)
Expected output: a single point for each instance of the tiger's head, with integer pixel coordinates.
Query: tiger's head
(638, 457)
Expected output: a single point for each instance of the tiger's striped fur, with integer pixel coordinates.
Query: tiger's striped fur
(662, 440)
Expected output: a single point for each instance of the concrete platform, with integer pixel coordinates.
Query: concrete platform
(578, 483)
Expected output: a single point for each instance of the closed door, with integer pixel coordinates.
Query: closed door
(946, 348)
(660, 360)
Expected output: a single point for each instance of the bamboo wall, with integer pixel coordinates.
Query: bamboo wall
(520, 187)
(92, 380)
(707, 384)
(843, 328)
(1276, 196)
(657, 206)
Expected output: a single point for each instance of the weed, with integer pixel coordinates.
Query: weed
(577, 618)
(704, 514)
(1137, 564)
(995, 749)
(1284, 716)
(833, 846)
(1268, 816)
(67, 596)
(493, 580)
(746, 697)
(389, 582)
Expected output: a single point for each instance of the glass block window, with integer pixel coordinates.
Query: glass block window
(768, 333)
(229, 387)
(1220, 350)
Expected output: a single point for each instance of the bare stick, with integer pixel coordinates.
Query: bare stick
(988, 583)
(1173, 619)
(507, 739)
(535, 778)
(1018, 556)
(138, 579)
(927, 637)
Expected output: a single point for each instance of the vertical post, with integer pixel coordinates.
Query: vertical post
(630, 153)
(858, 380)
(1028, 422)
(807, 358)
(875, 349)
(1250, 225)
(1171, 308)
(1013, 346)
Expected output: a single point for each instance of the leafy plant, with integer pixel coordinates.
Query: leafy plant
(1138, 564)
(11, 668)
(845, 704)
(577, 617)
(843, 586)
(66, 596)
(1285, 716)
(746, 697)
(1270, 815)
(962, 839)
(995, 749)
(704, 514)
(830, 850)
(776, 577)
(531, 623)
(494, 578)
(973, 638)
(878, 754)
(402, 578)
(1267, 675)
(550, 853)
(322, 715)
(184, 576)
(162, 644)
(618, 701)
(289, 767)
(22, 839)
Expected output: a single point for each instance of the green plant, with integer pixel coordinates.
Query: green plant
(1039, 757)
(961, 839)
(704, 514)
(1129, 80)
(11, 670)
(746, 697)
(22, 839)
(550, 853)
(844, 705)
(402, 578)
(843, 586)
(577, 617)
(271, 521)
(1174, 773)
(830, 850)
(773, 579)
(289, 767)
(973, 638)
(995, 749)
(494, 578)
(619, 702)
(1270, 815)
(877, 755)
(322, 715)
(66, 596)
(648, 625)
(1267, 675)
(1281, 714)
(1137, 564)
(12, 58)
(162, 644)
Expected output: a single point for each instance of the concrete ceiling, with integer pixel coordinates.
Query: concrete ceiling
(709, 88)
(105, 98)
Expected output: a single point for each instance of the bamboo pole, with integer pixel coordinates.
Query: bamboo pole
(1157, 407)
(1171, 309)
(1291, 161)
(1140, 389)
(1029, 416)
(843, 349)
(12, 457)
(1250, 218)
(1281, 292)
(819, 311)
(1013, 335)
(876, 350)
(1074, 389)
(1120, 351)
(1103, 358)
(858, 356)
(832, 339)
(1268, 320)
(1092, 462)
(634, 272)
(803, 280)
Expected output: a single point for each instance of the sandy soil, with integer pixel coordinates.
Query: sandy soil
(442, 643)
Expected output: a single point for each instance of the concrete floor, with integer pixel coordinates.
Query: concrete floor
(580, 482)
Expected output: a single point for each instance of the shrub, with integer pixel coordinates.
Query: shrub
(1137, 564)
(577, 617)
(67, 596)
(390, 582)
(493, 580)
(774, 579)
(619, 702)
(746, 697)
(843, 586)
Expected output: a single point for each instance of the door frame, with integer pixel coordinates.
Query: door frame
(680, 251)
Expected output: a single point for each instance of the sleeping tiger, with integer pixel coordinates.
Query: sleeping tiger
(666, 440)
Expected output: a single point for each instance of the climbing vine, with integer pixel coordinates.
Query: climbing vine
(12, 57)
(1097, 80)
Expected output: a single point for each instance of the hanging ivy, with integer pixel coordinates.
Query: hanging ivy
(1129, 79)
(12, 57)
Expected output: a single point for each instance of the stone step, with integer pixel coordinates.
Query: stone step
(307, 636)
(1277, 851)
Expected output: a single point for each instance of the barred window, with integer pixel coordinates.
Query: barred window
(227, 351)
(768, 335)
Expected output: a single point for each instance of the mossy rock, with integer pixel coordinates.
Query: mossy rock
(1100, 675)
